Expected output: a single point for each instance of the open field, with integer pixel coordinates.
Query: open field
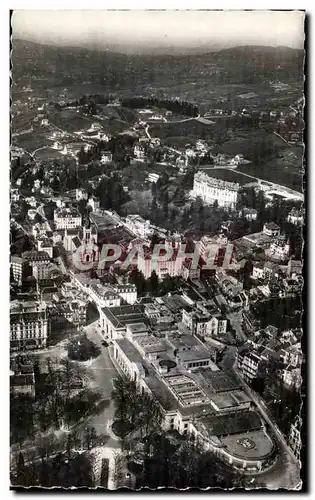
(226, 175)
(252, 141)
(48, 154)
(69, 120)
(284, 169)
(33, 140)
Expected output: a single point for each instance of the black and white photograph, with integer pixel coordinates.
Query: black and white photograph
(157, 226)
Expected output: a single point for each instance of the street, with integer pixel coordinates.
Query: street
(102, 372)
(285, 473)
(236, 320)
(228, 358)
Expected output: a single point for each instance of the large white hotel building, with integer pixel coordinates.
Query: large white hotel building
(211, 189)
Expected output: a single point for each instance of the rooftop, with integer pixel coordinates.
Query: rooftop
(272, 226)
(250, 445)
(135, 328)
(124, 315)
(221, 381)
(216, 183)
(34, 255)
(236, 423)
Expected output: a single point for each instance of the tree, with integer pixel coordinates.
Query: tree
(82, 206)
(153, 189)
(136, 277)
(165, 204)
(21, 471)
(153, 283)
(37, 218)
(154, 240)
(154, 208)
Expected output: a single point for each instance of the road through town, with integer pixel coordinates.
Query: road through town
(102, 372)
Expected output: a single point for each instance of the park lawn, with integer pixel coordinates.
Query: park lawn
(32, 141)
(48, 154)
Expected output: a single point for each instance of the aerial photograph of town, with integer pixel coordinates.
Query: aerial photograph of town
(156, 249)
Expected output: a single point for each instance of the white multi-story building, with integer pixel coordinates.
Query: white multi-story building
(138, 225)
(279, 249)
(153, 177)
(139, 152)
(81, 194)
(67, 218)
(29, 325)
(19, 268)
(106, 157)
(271, 229)
(248, 364)
(104, 296)
(249, 213)
(172, 267)
(258, 271)
(210, 189)
(202, 323)
(127, 291)
(295, 217)
(94, 203)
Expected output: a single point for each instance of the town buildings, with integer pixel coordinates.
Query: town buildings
(20, 268)
(29, 325)
(195, 396)
(40, 263)
(138, 225)
(295, 440)
(106, 157)
(210, 190)
(248, 363)
(173, 266)
(295, 217)
(67, 218)
(249, 214)
(279, 249)
(271, 229)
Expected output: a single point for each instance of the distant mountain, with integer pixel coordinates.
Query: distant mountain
(261, 54)
(73, 65)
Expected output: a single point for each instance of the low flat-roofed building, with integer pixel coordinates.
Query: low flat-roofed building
(135, 329)
(258, 240)
(230, 401)
(115, 319)
(189, 352)
(239, 439)
(151, 347)
(220, 381)
(220, 420)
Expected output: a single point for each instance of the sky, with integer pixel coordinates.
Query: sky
(147, 29)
